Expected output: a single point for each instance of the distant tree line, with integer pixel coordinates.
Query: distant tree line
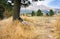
(40, 13)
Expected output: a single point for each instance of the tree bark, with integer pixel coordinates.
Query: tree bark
(17, 7)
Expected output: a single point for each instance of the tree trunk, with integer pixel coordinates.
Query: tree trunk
(17, 7)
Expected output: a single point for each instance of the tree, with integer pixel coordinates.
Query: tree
(17, 7)
(7, 7)
(2, 9)
(34, 0)
(33, 13)
(37, 0)
(39, 13)
(51, 13)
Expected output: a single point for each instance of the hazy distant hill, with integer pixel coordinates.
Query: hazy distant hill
(26, 11)
(44, 9)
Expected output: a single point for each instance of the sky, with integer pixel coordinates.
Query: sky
(37, 5)
(54, 3)
(48, 3)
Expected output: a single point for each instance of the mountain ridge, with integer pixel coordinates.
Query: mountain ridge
(41, 7)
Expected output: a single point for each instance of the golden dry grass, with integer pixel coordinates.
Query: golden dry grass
(37, 28)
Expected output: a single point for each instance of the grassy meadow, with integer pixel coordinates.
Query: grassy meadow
(35, 28)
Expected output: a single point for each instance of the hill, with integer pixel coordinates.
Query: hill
(44, 9)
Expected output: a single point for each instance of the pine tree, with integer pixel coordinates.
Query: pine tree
(17, 7)
(33, 13)
(51, 13)
(39, 13)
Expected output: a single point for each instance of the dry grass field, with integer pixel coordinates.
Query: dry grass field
(35, 28)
